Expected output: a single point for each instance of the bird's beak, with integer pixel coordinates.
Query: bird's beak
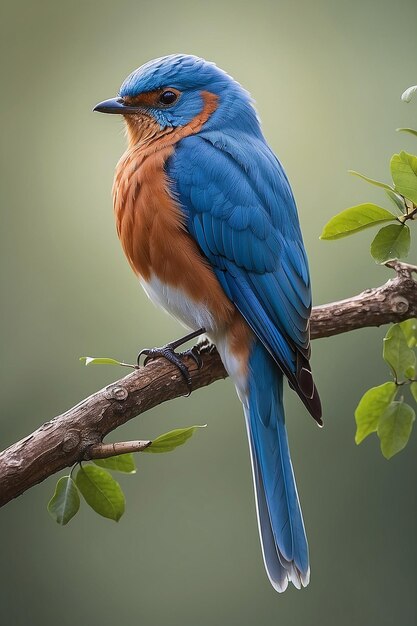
(115, 105)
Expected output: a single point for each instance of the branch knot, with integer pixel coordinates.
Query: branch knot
(400, 304)
(116, 392)
(71, 440)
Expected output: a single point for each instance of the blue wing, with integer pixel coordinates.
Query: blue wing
(240, 209)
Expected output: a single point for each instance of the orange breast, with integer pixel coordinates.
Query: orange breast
(151, 225)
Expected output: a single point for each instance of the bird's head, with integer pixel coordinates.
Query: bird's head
(173, 91)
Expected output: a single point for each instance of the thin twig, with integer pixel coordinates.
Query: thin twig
(106, 450)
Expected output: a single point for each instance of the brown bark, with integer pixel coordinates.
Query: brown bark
(77, 434)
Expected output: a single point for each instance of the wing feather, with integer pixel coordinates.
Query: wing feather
(240, 209)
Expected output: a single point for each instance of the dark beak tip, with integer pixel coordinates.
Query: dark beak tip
(113, 105)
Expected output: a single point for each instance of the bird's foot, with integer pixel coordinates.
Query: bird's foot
(168, 353)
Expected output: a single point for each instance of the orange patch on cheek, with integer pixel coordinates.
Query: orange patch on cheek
(145, 134)
(148, 98)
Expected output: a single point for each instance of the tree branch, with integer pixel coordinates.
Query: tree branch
(394, 301)
(77, 434)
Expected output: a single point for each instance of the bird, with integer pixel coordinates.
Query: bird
(208, 222)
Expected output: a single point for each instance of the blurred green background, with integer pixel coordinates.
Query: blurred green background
(327, 78)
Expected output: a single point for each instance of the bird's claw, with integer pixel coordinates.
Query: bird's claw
(194, 354)
(168, 353)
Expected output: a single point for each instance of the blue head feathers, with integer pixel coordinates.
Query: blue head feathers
(184, 72)
(189, 76)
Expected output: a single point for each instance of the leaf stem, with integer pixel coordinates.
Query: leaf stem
(410, 215)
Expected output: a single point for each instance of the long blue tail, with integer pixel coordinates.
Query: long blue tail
(281, 527)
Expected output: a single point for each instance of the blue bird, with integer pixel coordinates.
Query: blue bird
(208, 222)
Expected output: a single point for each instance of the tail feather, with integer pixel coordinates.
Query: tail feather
(281, 527)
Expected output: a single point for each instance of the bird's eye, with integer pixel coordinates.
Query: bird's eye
(168, 97)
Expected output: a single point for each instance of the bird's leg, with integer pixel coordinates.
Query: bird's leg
(168, 352)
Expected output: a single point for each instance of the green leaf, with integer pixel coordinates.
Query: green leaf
(171, 440)
(409, 328)
(413, 389)
(408, 130)
(65, 502)
(354, 219)
(396, 199)
(371, 180)
(391, 242)
(101, 491)
(95, 360)
(396, 351)
(409, 93)
(394, 428)
(410, 372)
(120, 463)
(404, 174)
(370, 408)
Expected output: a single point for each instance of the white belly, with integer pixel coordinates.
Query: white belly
(191, 314)
(194, 316)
